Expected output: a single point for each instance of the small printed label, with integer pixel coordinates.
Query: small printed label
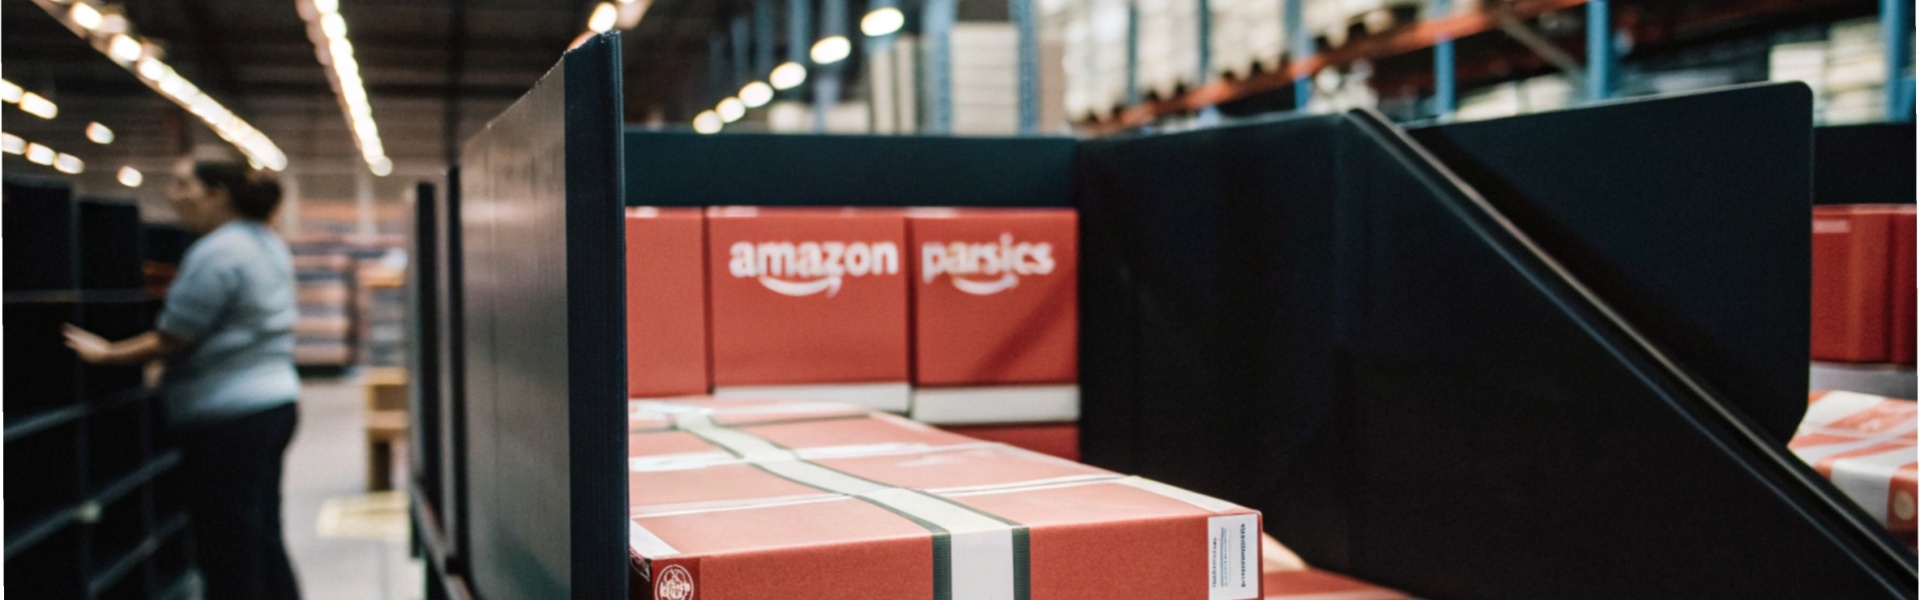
(1233, 557)
(1832, 226)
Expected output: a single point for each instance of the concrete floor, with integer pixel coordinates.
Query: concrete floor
(367, 557)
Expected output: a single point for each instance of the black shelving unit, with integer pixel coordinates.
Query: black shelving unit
(88, 513)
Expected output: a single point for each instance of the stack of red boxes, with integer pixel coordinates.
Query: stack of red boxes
(995, 322)
(1863, 284)
(966, 318)
(796, 500)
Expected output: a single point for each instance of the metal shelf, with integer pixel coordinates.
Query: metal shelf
(40, 420)
(41, 529)
(106, 578)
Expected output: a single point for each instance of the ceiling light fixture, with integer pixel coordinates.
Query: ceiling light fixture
(12, 144)
(84, 15)
(38, 105)
(707, 122)
(603, 18)
(730, 109)
(130, 177)
(39, 155)
(756, 94)
(68, 163)
(882, 21)
(99, 134)
(328, 32)
(128, 51)
(831, 50)
(787, 76)
(10, 92)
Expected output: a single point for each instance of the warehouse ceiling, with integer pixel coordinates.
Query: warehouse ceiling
(435, 71)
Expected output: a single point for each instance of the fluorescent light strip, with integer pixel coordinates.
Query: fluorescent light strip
(126, 50)
(41, 155)
(328, 31)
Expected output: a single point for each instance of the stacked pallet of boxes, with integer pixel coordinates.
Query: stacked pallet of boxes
(954, 317)
(1095, 57)
(89, 513)
(323, 337)
(1847, 71)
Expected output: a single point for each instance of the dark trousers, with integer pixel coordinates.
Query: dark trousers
(230, 475)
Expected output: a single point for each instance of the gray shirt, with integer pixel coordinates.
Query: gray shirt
(233, 298)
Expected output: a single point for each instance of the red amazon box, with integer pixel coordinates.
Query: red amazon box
(1852, 261)
(995, 297)
(809, 304)
(666, 302)
(995, 315)
(876, 507)
(1903, 287)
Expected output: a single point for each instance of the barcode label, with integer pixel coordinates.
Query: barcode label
(1233, 557)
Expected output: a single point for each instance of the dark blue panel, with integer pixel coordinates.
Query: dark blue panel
(544, 405)
(687, 169)
(1671, 211)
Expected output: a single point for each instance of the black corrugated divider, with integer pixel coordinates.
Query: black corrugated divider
(689, 169)
(1415, 393)
(1711, 258)
(545, 338)
(423, 366)
(1864, 164)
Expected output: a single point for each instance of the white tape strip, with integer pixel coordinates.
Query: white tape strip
(1206, 502)
(691, 508)
(1813, 454)
(1037, 484)
(1835, 406)
(646, 543)
(1867, 479)
(980, 557)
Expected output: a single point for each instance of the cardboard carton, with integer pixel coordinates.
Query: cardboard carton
(666, 302)
(995, 298)
(737, 501)
(1851, 266)
(1865, 445)
(809, 297)
(1903, 287)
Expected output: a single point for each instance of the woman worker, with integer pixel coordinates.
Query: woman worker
(226, 334)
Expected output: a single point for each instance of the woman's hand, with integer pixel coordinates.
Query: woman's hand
(91, 348)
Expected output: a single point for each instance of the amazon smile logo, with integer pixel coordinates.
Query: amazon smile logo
(809, 268)
(985, 269)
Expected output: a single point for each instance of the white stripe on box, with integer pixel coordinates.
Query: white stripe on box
(1835, 406)
(1037, 484)
(1868, 479)
(646, 543)
(1813, 454)
(997, 404)
(980, 557)
(980, 548)
(692, 508)
(678, 462)
(1203, 501)
(891, 397)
